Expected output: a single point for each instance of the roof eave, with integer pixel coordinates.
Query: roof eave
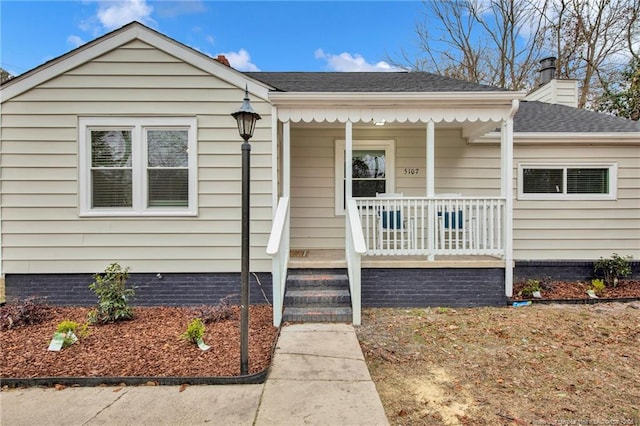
(569, 138)
(479, 98)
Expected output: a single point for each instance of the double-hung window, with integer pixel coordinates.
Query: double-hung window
(577, 182)
(138, 166)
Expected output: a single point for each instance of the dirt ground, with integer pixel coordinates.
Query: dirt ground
(533, 365)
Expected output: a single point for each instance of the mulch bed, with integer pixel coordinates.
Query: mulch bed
(577, 290)
(147, 346)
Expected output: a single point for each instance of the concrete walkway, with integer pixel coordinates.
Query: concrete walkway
(318, 377)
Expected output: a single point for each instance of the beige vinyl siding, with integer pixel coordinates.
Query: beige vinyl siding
(42, 230)
(471, 170)
(572, 229)
(563, 92)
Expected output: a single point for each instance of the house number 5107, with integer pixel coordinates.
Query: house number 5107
(411, 171)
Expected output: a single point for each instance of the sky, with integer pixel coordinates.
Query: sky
(253, 35)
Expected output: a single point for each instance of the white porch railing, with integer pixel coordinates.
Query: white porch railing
(355, 247)
(278, 249)
(433, 226)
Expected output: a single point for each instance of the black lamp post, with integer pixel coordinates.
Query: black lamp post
(246, 118)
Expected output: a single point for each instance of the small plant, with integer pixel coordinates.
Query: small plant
(72, 331)
(598, 286)
(613, 268)
(531, 286)
(113, 296)
(195, 331)
(32, 310)
(220, 312)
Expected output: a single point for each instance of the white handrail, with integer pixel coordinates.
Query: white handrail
(278, 248)
(355, 247)
(359, 244)
(279, 220)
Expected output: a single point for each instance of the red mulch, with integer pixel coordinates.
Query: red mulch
(564, 290)
(147, 346)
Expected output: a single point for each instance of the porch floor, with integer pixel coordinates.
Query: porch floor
(317, 258)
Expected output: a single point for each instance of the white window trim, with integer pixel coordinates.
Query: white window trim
(138, 126)
(388, 145)
(613, 181)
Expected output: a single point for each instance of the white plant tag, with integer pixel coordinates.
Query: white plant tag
(202, 345)
(592, 294)
(56, 342)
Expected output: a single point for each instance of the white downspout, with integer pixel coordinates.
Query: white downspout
(507, 192)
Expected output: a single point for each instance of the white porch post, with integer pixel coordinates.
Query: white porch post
(506, 157)
(431, 188)
(286, 158)
(348, 159)
(275, 189)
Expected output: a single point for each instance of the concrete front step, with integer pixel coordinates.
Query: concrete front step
(324, 280)
(317, 296)
(317, 314)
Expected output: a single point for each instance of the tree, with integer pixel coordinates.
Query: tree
(622, 97)
(4, 75)
(591, 40)
(500, 42)
(491, 42)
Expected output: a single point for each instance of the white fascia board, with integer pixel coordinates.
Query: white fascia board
(119, 38)
(311, 99)
(541, 138)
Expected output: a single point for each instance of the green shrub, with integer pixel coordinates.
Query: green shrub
(597, 285)
(72, 331)
(612, 269)
(113, 296)
(195, 331)
(530, 287)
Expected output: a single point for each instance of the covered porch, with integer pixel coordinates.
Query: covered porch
(431, 224)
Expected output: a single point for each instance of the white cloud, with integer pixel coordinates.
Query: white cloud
(115, 14)
(75, 41)
(346, 62)
(240, 60)
(210, 39)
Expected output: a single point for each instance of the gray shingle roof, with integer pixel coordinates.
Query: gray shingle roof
(532, 116)
(535, 116)
(366, 82)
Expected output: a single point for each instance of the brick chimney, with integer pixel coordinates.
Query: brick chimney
(223, 60)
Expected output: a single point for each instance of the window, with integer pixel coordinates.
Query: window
(372, 170)
(138, 166)
(580, 181)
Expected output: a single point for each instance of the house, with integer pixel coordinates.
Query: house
(124, 150)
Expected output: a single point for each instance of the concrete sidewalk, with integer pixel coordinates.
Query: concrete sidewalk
(318, 377)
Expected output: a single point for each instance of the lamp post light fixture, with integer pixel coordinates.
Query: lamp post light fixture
(246, 118)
